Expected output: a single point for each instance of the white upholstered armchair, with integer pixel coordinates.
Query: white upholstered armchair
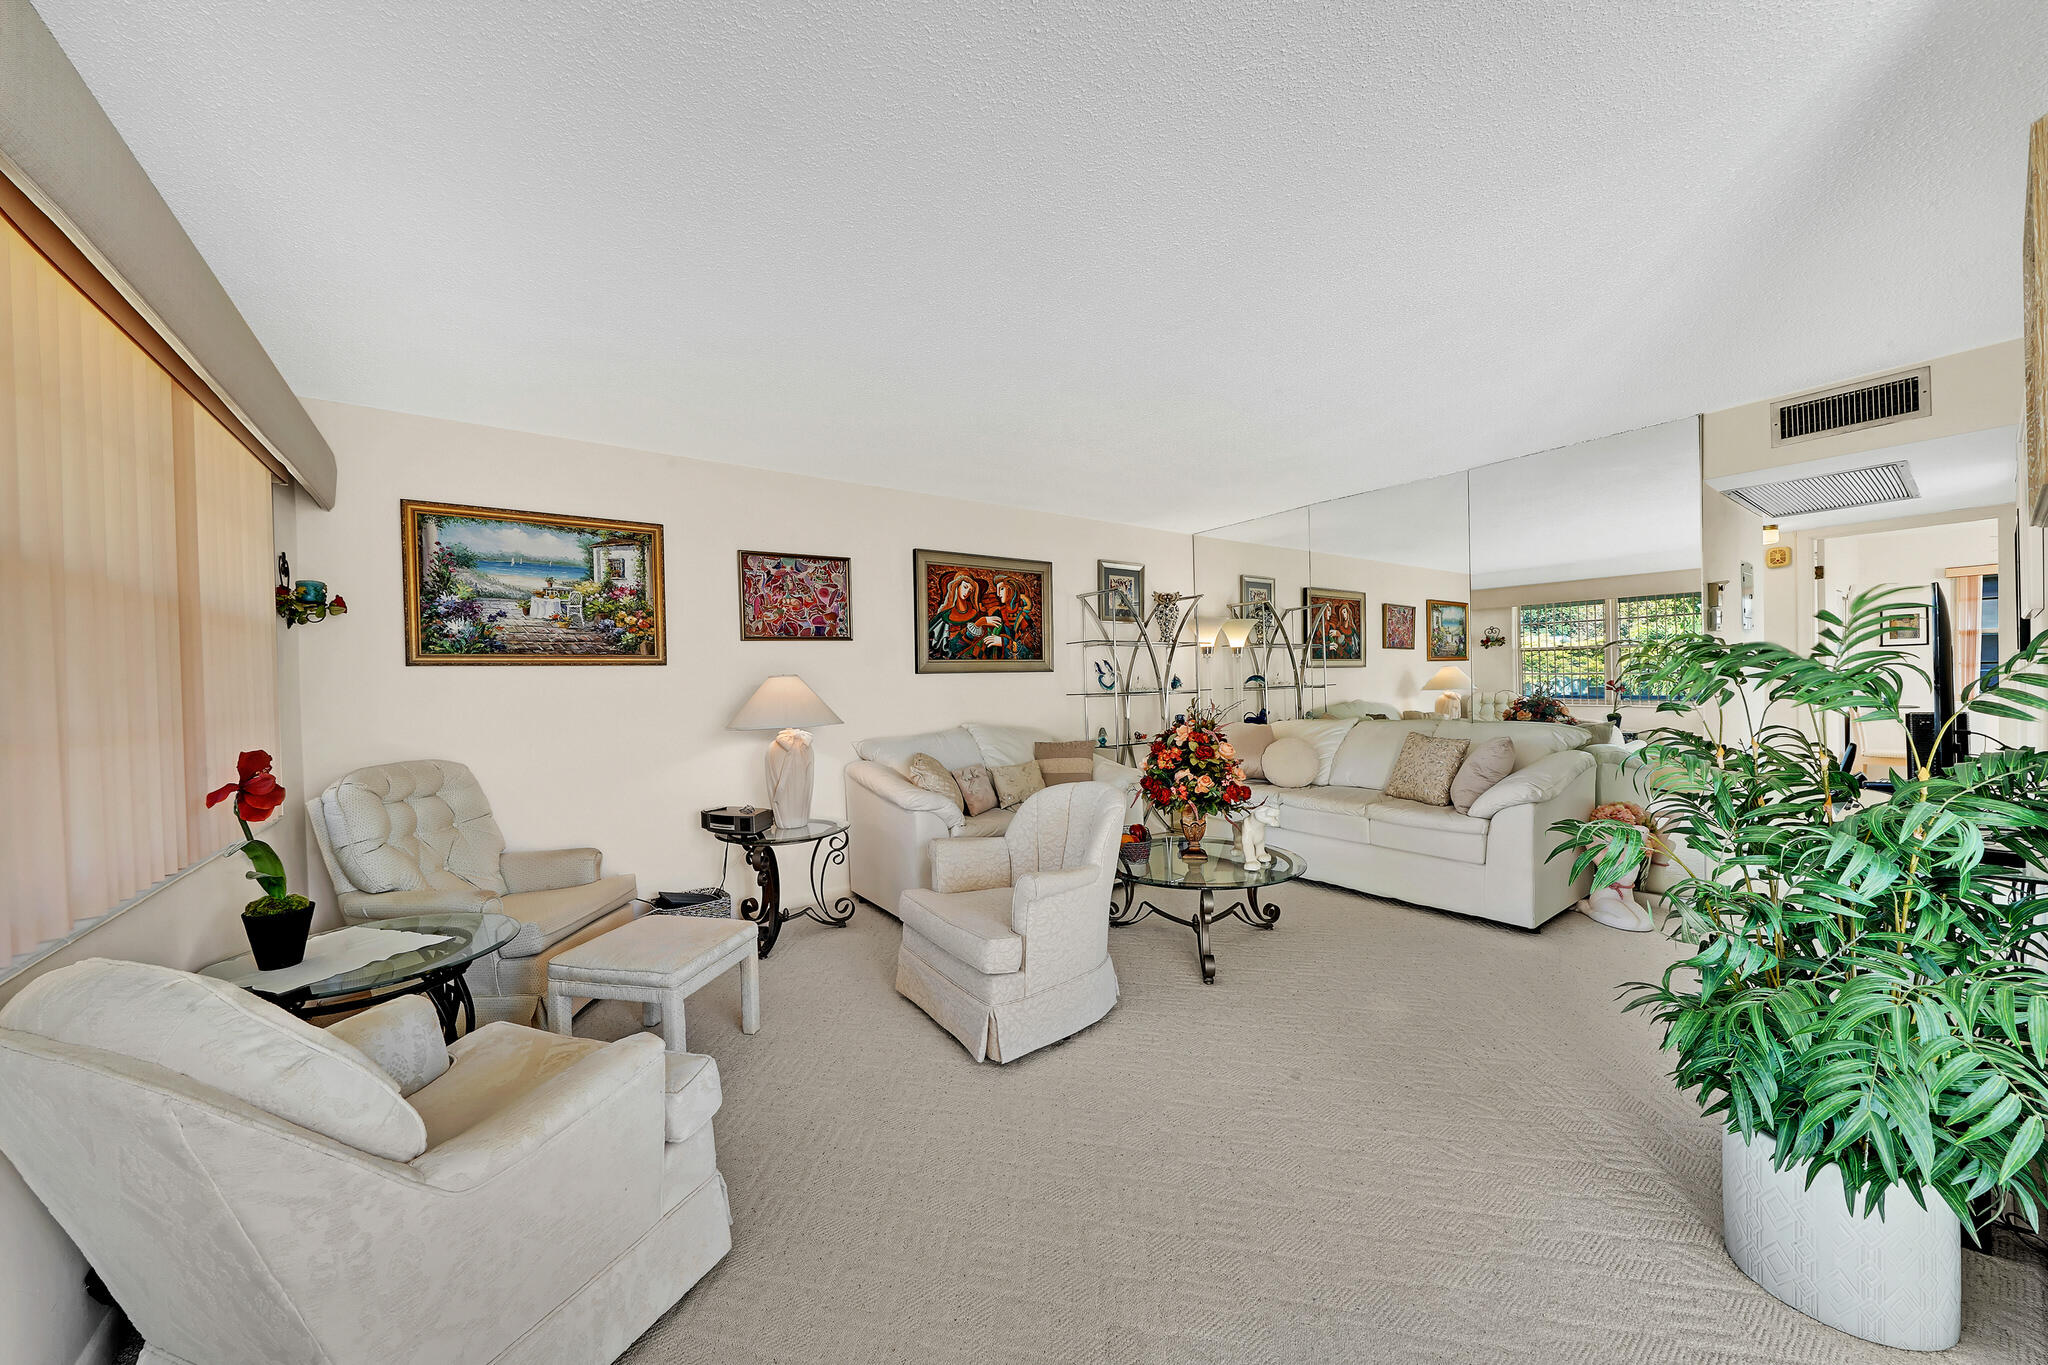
(418, 838)
(1009, 950)
(258, 1191)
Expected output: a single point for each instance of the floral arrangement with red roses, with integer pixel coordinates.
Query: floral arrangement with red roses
(1193, 767)
(257, 797)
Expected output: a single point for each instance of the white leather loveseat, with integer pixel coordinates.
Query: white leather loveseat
(1493, 862)
(895, 821)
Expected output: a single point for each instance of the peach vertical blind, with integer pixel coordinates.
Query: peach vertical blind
(135, 548)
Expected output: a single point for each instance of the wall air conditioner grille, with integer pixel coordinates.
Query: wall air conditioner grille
(1873, 403)
(1829, 492)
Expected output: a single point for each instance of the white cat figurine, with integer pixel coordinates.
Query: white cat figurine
(1251, 836)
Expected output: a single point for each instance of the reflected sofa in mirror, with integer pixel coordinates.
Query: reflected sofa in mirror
(1580, 554)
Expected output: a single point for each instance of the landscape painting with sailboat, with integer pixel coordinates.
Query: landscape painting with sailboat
(490, 586)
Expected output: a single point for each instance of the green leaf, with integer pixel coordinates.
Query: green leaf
(2025, 1143)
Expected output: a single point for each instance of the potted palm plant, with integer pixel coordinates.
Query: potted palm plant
(1862, 1009)
(278, 921)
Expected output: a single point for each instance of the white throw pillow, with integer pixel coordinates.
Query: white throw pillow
(1005, 746)
(1323, 736)
(1111, 773)
(1290, 762)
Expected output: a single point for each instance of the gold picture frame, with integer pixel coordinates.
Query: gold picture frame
(496, 586)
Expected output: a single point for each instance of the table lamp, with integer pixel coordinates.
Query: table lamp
(1450, 680)
(786, 703)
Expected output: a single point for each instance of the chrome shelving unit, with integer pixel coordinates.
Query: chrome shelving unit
(1144, 659)
(1286, 656)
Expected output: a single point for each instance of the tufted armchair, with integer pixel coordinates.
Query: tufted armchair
(1009, 950)
(258, 1191)
(418, 838)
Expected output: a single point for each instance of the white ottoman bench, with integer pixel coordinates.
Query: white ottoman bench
(659, 960)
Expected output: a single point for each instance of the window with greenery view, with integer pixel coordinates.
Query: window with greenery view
(1564, 649)
(1570, 649)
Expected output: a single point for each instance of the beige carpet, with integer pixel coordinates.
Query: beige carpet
(1384, 1134)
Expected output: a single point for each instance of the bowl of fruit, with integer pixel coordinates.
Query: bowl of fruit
(1137, 844)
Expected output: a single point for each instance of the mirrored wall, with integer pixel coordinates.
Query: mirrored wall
(1460, 593)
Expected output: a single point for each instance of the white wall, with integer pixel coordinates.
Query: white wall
(1911, 557)
(623, 757)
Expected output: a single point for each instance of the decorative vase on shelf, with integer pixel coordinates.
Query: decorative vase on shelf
(1193, 825)
(1166, 611)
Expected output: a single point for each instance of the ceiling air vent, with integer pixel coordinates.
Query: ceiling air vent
(1868, 403)
(1829, 492)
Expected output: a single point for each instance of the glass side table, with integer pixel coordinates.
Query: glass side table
(1165, 869)
(828, 840)
(433, 970)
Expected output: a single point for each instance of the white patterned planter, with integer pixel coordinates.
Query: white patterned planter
(1895, 1280)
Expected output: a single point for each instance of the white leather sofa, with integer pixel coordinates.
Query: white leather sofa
(255, 1190)
(1492, 863)
(895, 821)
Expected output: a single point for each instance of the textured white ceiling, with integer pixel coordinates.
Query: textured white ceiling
(1157, 263)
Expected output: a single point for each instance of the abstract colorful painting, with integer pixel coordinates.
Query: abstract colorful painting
(981, 613)
(795, 597)
(1448, 630)
(1397, 626)
(484, 585)
(1342, 640)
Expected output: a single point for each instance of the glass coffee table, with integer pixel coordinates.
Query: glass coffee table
(1166, 869)
(433, 970)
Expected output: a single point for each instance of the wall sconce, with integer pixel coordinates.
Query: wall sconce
(1770, 533)
(1234, 633)
(306, 600)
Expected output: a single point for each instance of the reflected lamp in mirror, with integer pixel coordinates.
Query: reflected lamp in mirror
(786, 703)
(1451, 681)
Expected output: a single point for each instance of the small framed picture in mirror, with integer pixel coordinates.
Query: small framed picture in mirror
(1397, 625)
(1449, 628)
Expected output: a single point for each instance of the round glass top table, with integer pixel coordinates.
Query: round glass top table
(378, 961)
(1167, 869)
(828, 840)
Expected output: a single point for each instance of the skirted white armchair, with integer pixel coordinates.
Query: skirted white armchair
(258, 1191)
(418, 838)
(1009, 950)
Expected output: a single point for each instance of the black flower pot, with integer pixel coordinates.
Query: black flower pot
(278, 939)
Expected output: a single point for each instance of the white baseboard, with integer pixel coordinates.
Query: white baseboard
(99, 1347)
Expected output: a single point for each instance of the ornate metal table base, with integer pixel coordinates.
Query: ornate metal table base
(446, 990)
(767, 909)
(1249, 910)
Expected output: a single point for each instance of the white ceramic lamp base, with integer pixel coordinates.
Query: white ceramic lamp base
(790, 773)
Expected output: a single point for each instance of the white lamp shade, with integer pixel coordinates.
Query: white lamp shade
(1235, 632)
(1449, 678)
(783, 702)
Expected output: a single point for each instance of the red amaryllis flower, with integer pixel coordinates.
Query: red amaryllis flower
(257, 794)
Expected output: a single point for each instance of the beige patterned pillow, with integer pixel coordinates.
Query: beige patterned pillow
(927, 772)
(1017, 782)
(1065, 761)
(977, 789)
(1425, 770)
